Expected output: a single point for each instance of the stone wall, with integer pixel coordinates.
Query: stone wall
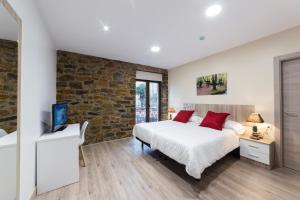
(8, 85)
(103, 92)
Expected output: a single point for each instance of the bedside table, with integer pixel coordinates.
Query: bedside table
(259, 152)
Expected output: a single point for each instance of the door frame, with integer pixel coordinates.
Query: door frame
(278, 105)
(18, 20)
(147, 97)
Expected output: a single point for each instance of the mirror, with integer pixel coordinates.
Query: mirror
(8, 102)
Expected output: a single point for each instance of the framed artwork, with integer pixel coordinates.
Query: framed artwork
(214, 84)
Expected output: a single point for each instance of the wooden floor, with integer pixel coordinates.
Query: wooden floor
(121, 170)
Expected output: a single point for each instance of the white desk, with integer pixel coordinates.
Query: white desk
(58, 159)
(8, 170)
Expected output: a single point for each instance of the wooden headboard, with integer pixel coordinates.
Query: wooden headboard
(238, 113)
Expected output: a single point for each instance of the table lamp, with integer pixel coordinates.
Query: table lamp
(171, 110)
(255, 118)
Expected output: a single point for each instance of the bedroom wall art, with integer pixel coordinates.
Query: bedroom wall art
(214, 84)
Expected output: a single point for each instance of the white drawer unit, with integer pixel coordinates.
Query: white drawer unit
(255, 146)
(261, 151)
(58, 159)
(255, 151)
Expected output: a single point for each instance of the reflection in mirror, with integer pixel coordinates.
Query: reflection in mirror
(8, 103)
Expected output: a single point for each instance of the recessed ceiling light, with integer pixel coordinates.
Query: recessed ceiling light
(155, 49)
(202, 38)
(213, 10)
(106, 28)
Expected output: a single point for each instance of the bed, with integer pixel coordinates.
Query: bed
(189, 144)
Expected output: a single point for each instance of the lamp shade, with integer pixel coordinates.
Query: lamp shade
(255, 118)
(171, 110)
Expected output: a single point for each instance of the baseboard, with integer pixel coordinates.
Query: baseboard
(33, 195)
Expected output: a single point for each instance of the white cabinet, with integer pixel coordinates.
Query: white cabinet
(261, 151)
(58, 159)
(255, 151)
(8, 171)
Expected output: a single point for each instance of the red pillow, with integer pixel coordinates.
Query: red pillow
(214, 120)
(183, 116)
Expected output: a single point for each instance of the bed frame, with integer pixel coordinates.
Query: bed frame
(143, 143)
(235, 152)
(238, 113)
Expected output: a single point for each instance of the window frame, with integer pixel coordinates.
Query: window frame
(148, 98)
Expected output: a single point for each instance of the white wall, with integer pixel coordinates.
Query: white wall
(38, 87)
(249, 69)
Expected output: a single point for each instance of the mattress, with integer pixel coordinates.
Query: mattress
(189, 144)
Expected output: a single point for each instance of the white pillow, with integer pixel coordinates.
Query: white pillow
(196, 119)
(2, 133)
(237, 127)
(173, 115)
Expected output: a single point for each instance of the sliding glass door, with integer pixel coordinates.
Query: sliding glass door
(147, 101)
(140, 101)
(153, 101)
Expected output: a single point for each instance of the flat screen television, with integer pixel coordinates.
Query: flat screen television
(59, 116)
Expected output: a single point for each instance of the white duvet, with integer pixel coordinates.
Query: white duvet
(189, 144)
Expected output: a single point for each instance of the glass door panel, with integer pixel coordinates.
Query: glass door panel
(140, 105)
(153, 101)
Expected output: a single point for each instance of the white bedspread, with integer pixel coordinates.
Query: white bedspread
(189, 144)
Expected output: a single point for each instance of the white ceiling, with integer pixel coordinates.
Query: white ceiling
(174, 25)
(8, 25)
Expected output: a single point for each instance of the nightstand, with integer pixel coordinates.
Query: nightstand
(260, 152)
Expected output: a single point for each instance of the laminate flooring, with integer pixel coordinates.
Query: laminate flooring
(120, 170)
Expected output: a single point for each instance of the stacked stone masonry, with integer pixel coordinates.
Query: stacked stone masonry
(102, 91)
(8, 85)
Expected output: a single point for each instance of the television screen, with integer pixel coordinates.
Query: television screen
(59, 116)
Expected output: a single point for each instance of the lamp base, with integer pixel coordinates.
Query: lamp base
(256, 136)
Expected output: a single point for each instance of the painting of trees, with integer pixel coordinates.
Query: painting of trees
(214, 84)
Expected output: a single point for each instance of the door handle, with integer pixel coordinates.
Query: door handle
(291, 114)
(253, 146)
(254, 156)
